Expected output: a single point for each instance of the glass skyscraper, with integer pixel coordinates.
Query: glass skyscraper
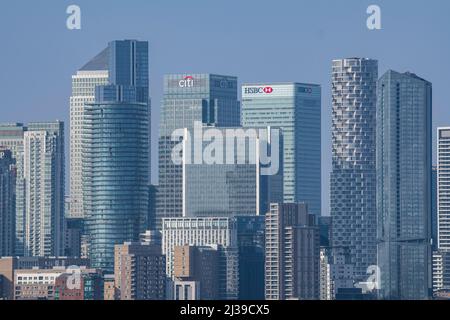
(353, 176)
(230, 188)
(11, 137)
(188, 98)
(7, 202)
(295, 108)
(115, 154)
(404, 115)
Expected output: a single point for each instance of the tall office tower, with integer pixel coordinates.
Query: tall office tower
(84, 82)
(115, 171)
(443, 188)
(196, 273)
(295, 108)
(218, 232)
(7, 202)
(206, 98)
(139, 271)
(230, 179)
(404, 185)
(11, 137)
(292, 253)
(353, 176)
(44, 189)
(122, 63)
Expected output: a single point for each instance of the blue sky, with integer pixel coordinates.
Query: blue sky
(256, 40)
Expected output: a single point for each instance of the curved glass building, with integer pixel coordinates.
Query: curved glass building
(115, 165)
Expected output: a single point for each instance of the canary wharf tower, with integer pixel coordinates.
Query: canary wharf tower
(353, 176)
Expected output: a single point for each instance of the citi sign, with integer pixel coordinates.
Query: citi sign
(258, 90)
(187, 82)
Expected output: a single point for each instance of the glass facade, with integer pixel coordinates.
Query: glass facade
(404, 185)
(7, 202)
(189, 98)
(353, 176)
(228, 188)
(115, 176)
(11, 137)
(294, 108)
(115, 153)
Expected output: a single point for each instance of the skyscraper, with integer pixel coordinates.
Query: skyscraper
(115, 172)
(443, 188)
(7, 203)
(292, 253)
(122, 63)
(44, 188)
(404, 109)
(115, 151)
(206, 98)
(11, 137)
(295, 108)
(84, 82)
(230, 178)
(353, 176)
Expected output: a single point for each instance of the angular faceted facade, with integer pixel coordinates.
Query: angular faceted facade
(121, 63)
(353, 177)
(295, 108)
(115, 151)
(404, 185)
(84, 82)
(206, 98)
(44, 189)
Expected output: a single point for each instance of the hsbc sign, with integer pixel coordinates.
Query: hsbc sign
(258, 90)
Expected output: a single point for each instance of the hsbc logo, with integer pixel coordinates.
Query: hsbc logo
(187, 82)
(258, 90)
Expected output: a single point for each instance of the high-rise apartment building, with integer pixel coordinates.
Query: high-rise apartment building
(295, 108)
(11, 137)
(404, 109)
(292, 253)
(198, 265)
(188, 98)
(139, 271)
(44, 188)
(353, 176)
(7, 202)
(443, 188)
